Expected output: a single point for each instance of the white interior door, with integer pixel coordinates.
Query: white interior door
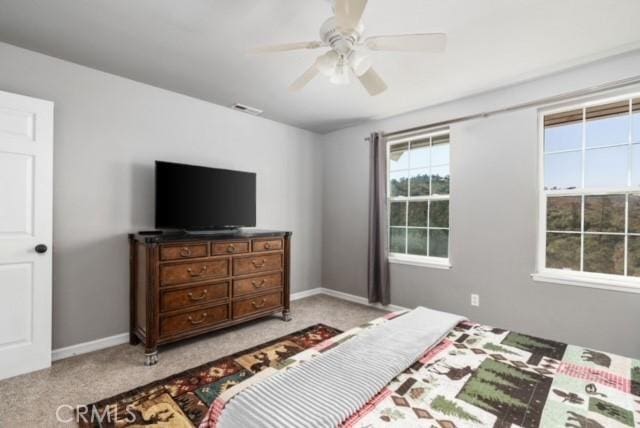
(26, 175)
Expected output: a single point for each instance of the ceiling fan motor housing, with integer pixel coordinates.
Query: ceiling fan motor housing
(341, 41)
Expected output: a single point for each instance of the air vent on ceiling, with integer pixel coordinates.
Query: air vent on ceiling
(246, 109)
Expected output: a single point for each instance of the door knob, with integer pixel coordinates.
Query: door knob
(41, 248)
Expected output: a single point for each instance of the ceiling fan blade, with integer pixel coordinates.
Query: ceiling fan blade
(286, 47)
(304, 79)
(372, 82)
(349, 13)
(427, 42)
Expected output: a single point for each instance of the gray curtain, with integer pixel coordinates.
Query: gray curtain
(378, 263)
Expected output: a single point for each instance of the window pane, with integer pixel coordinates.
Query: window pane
(564, 213)
(604, 213)
(440, 180)
(397, 239)
(420, 182)
(438, 243)
(563, 251)
(634, 213)
(418, 213)
(608, 131)
(417, 169)
(398, 214)
(439, 214)
(633, 262)
(399, 156)
(419, 154)
(440, 150)
(398, 183)
(635, 165)
(606, 167)
(563, 137)
(563, 170)
(417, 242)
(604, 254)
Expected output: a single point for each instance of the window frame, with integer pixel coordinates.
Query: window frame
(605, 281)
(414, 259)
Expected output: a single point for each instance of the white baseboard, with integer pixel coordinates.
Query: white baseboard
(360, 300)
(85, 347)
(119, 339)
(306, 293)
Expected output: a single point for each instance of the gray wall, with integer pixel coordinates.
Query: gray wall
(108, 132)
(493, 222)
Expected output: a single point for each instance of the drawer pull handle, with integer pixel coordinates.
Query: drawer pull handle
(231, 249)
(259, 305)
(185, 252)
(267, 245)
(200, 321)
(258, 263)
(257, 284)
(202, 271)
(195, 299)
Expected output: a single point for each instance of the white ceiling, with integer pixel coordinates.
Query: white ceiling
(198, 47)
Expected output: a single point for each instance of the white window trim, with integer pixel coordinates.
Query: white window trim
(568, 277)
(587, 279)
(412, 259)
(422, 261)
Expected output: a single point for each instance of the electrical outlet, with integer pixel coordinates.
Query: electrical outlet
(475, 300)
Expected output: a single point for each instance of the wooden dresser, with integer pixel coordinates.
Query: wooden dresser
(183, 285)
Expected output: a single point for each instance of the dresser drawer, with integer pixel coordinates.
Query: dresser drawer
(192, 272)
(193, 320)
(177, 252)
(178, 299)
(236, 247)
(267, 244)
(242, 287)
(258, 263)
(243, 308)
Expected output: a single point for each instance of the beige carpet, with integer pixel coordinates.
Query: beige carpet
(31, 400)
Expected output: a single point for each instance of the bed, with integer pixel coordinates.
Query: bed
(477, 376)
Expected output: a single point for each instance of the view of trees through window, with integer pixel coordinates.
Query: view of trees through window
(592, 189)
(419, 196)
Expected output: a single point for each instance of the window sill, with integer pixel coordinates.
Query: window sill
(431, 262)
(603, 282)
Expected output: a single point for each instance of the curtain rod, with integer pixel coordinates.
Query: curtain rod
(542, 101)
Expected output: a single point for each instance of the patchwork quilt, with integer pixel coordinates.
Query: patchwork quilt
(484, 376)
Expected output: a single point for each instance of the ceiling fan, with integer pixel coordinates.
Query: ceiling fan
(348, 54)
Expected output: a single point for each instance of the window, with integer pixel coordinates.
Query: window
(418, 199)
(590, 202)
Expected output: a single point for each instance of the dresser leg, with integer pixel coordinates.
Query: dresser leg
(133, 339)
(151, 358)
(286, 315)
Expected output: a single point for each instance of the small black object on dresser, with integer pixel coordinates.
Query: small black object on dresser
(186, 284)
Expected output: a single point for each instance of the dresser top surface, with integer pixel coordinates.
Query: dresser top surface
(180, 236)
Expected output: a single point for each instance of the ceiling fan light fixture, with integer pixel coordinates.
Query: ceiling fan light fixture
(327, 63)
(341, 75)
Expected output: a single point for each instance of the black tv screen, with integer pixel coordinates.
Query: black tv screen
(199, 198)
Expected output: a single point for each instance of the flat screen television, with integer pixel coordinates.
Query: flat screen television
(199, 198)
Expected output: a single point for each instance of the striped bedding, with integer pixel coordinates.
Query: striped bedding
(328, 389)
